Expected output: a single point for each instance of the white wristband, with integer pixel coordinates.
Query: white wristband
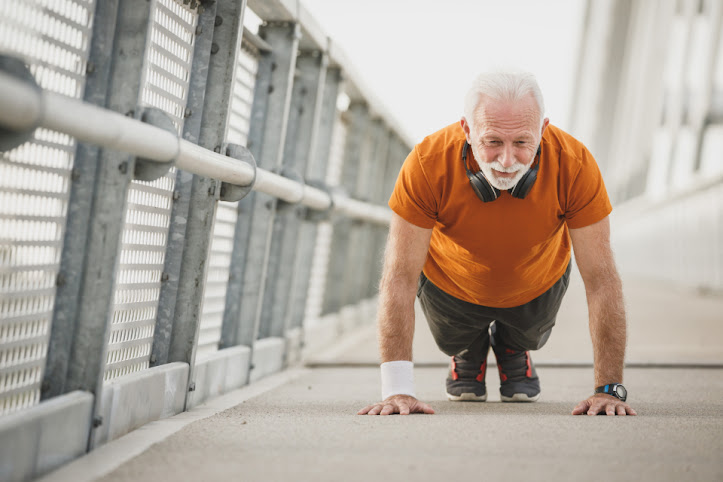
(397, 378)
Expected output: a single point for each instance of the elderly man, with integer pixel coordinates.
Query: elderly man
(487, 210)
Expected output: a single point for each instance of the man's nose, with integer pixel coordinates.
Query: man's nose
(507, 157)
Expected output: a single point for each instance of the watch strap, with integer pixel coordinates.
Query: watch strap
(610, 389)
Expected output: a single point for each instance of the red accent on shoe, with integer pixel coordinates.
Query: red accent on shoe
(481, 376)
(503, 377)
(455, 375)
(510, 351)
(528, 374)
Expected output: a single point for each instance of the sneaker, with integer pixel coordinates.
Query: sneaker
(518, 378)
(466, 380)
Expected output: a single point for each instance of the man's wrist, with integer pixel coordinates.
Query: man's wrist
(397, 378)
(616, 390)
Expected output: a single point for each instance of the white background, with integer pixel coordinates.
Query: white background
(419, 57)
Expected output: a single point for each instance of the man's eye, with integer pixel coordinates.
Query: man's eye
(521, 143)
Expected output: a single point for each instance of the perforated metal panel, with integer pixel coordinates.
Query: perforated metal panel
(322, 249)
(243, 94)
(214, 296)
(166, 75)
(52, 37)
(336, 155)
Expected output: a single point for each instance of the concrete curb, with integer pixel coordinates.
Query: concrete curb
(219, 373)
(133, 400)
(107, 458)
(45, 436)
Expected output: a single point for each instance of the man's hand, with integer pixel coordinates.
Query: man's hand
(401, 404)
(602, 404)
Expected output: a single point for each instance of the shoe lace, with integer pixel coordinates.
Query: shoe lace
(513, 364)
(468, 369)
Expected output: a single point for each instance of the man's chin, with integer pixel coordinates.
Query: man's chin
(502, 184)
(503, 187)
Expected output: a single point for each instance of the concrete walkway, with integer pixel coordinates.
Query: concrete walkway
(301, 424)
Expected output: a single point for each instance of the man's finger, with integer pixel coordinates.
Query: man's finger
(581, 408)
(610, 410)
(375, 410)
(365, 410)
(426, 408)
(387, 410)
(403, 409)
(621, 410)
(594, 409)
(630, 410)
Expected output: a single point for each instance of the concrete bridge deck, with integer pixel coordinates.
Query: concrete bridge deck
(301, 424)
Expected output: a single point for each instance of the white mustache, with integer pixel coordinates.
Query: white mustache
(516, 167)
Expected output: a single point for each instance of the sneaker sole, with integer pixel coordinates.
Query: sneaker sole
(467, 397)
(520, 397)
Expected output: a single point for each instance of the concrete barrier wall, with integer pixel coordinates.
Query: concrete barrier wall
(321, 334)
(219, 373)
(134, 400)
(267, 357)
(678, 240)
(44, 437)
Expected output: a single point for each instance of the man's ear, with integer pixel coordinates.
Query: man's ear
(545, 123)
(465, 127)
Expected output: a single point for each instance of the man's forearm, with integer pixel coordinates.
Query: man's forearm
(396, 319)
(607, 330)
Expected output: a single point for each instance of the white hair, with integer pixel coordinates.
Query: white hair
(507, 86)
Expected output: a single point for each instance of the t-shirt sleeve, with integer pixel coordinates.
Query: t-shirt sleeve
(413, 198)
(587, 199)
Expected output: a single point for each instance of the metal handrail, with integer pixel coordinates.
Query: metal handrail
(24, 106)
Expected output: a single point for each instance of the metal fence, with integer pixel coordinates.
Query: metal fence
(34, 191)
(653, 73)
(192, 193)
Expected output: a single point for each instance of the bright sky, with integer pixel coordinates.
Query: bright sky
(420, 56)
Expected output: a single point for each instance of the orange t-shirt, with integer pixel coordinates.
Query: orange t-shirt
(506, 252)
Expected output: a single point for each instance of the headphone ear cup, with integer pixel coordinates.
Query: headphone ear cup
(485, 191)
(524, 185)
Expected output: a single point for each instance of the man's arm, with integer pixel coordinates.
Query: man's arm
(606, 309)
(404, 257)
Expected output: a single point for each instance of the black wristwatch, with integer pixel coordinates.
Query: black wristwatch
(615, 389)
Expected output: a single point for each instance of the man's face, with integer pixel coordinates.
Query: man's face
(504, 139)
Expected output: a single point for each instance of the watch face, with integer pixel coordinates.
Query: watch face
(621, 392)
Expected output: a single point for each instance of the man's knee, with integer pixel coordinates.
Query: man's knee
(539, 342)
(532, 338)
(473, 341)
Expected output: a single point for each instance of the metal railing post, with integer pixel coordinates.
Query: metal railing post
(359, 124)
(235, 328)
(370, 257)
(355, 272)
(217, 44)
(65, 323)
(315, 173)
(165, 330)
(270, 113)
(301, 135)
(389, 172)
(114, 171)
(382, 159)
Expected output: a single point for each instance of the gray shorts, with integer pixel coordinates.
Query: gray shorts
(460, 327)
